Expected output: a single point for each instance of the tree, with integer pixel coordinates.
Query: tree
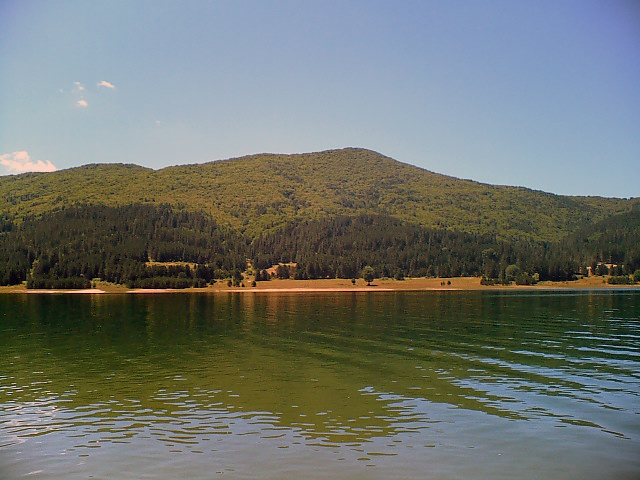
(368, 274)
(511, 272)
(283, 272)
(602, 270)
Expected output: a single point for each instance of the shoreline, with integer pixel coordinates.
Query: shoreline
(337, 285)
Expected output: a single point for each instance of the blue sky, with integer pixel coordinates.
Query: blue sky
(541, 94)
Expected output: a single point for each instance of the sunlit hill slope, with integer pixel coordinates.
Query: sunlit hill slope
(265, 192)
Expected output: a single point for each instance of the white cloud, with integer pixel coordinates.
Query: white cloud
(20, 162)
(79, 86)
(105, 84)
(82, 103)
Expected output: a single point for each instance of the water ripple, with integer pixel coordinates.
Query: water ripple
(283, 385)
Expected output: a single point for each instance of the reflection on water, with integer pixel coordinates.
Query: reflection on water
(398, 385)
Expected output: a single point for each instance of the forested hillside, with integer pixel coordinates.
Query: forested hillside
(330, 213)
(120, 245)
(266, 192)
(147, 246)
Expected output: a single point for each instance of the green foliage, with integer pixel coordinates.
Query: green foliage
(266, 192)
(68, 283)
(262, 276)
(512, 271)
(342, 246)
(525, 279)
(620, 280)
(283, 272)
(121, 244)
(614, 240)
(116, 245)
(368, 274)
(331, 213)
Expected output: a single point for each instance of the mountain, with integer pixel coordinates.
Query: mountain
(266, 192)
(331, 213)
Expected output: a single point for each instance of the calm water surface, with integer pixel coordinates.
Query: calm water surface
(433, 385)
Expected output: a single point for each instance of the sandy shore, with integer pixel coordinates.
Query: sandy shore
(86, 290)
(336, 285)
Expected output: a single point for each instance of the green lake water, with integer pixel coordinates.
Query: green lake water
(420, 385)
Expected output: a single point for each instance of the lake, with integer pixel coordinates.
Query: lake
(399, 385)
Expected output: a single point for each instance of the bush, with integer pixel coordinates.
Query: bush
(166, 282)
(525, 279)
(619, 280)
(68, 283)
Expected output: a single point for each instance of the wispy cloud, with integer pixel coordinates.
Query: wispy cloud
(20, 162)
(105, 84)
(82, 103)
(79, 87)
